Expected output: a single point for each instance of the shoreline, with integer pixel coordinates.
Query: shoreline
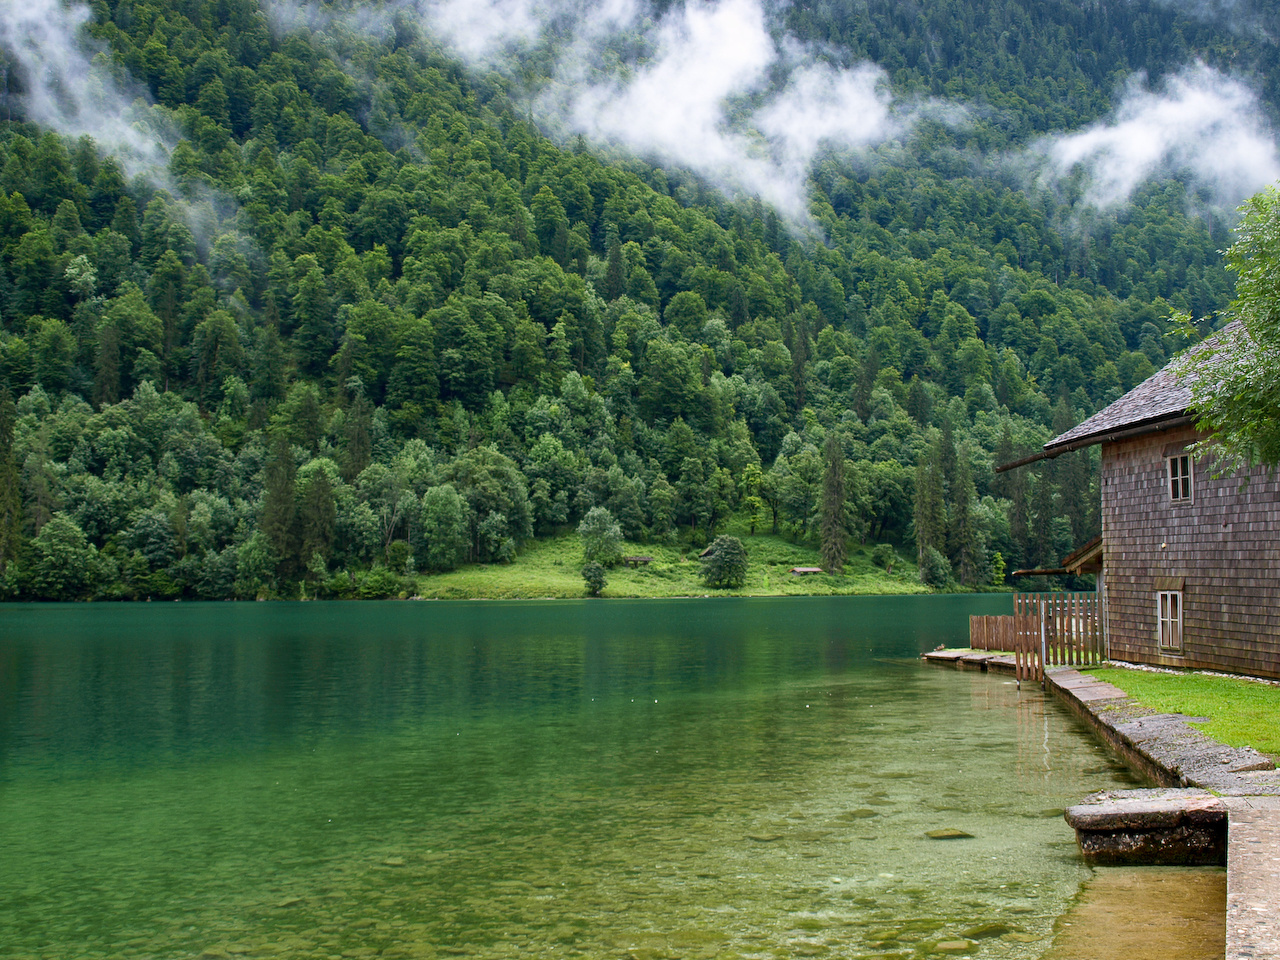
(530, 596)
(1164, 747)
(1167, 749)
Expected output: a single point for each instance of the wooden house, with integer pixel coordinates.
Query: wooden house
(1190, 562)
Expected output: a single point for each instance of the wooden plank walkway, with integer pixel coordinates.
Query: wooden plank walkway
(1164, 743)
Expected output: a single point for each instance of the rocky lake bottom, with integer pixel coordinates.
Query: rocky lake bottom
(756, 793)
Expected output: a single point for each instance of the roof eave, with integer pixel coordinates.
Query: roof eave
(1152, 425)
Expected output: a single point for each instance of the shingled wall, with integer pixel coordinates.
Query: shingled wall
(1223, 545)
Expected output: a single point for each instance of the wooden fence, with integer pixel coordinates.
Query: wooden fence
(1046, 629)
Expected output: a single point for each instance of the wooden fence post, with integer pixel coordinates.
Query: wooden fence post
(1046, 629)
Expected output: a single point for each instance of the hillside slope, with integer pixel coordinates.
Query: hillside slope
(368, 323)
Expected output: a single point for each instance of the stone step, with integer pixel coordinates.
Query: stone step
(1156, 826)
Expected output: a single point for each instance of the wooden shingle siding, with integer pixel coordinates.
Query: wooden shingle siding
(1223, 541)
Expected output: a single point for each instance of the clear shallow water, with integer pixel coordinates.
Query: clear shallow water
(652, 779)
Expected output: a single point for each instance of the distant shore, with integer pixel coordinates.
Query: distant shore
(552, 569)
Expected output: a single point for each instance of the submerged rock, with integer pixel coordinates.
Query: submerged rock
(984, 931)
(863, 813)
(949, 833)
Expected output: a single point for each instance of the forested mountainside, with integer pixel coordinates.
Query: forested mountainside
(368, 323)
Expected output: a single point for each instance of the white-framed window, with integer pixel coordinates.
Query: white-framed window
(1169, 619)
(1180, 477)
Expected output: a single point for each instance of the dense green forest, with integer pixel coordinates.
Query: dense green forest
(371, 324)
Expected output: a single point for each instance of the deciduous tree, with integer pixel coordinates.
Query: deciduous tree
(724, 563)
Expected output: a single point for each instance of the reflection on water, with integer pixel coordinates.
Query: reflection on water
(683, 779)
(1146, 913)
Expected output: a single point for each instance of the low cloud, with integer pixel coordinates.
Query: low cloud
(707, 86)
(674, 106)
(67, 91)
(822, 106)
(1201, 123)
(68, 87)
(715, 87)
(1240, 16)
(480, 29)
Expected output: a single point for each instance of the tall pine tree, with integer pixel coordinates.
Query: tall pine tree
(317, 520)
(833, 528)
(10, 497)
(965, 538)
(279, 518)
(930, 504)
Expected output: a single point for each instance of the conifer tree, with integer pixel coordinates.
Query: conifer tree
(930, 504)
(918, 403)
(1019, 518)
(965, 539)
(279, 518)
(358, 435)
(614, 280)
(833, 527)
(947, 453)
(10, 498)
(313, 313)
(1042, 513)
(1001, 483)
(317, 518)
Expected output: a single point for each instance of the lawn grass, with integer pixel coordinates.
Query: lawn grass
(552, 568)
(1242, 713)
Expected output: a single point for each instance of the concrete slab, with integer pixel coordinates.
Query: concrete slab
(1253, 878)
(1098, 691)
(1163, 826)
(946, 656)
(1070, 676)
(1164, 745)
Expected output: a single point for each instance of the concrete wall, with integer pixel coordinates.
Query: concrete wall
(1224, 544)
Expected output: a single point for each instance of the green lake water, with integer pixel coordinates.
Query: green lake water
(649, 779)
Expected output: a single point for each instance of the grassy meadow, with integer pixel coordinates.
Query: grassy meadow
(1240, 712)
(552, 568)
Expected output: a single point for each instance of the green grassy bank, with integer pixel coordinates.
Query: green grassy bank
(1241, 713)
(553, 568)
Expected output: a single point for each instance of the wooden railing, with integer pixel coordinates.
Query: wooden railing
(1046, 629)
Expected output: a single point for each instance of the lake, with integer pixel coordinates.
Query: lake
(650, 779)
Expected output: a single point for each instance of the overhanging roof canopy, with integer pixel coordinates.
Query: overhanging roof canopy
(1087, 559)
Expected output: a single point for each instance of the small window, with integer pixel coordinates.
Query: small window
(1180, 477)
(1169, 618)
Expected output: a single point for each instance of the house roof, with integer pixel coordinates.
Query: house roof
(1157, 403)
(1148, 406)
